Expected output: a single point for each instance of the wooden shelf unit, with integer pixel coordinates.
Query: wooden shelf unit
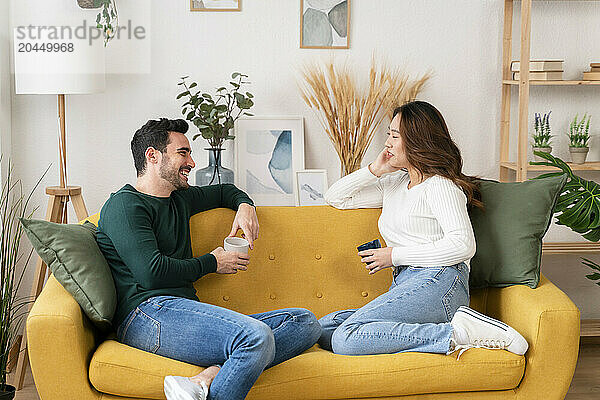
(521, 167)
(554, 83)
(588, 166)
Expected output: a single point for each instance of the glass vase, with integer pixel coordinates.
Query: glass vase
(214, 173)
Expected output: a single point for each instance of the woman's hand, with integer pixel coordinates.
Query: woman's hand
(381, 165)
(376, 259)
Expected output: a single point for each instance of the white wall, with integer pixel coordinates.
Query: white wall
(5, 85)
(459, 40)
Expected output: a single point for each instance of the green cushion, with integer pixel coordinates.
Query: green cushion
(509, 231)
(71, 253)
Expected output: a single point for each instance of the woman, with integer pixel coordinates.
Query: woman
(424, 197)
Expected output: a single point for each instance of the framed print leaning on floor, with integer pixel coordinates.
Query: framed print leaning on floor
(269, 151)
(312, 185)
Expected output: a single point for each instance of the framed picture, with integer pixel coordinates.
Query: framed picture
(324, 24)
(311, 187)
(269, 150)
(215, 5)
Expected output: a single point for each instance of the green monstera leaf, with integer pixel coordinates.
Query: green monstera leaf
(578, 205)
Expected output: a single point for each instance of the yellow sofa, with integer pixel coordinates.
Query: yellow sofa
(306, 257)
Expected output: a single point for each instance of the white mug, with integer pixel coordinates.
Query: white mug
(237, 244)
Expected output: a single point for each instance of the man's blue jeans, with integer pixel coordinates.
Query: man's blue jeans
(204, 334)
(414, 315)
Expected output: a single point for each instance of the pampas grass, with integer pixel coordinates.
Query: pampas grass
(349, 114)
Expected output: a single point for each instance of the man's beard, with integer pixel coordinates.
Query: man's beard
(171, 175)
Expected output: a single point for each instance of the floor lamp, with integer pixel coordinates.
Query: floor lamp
(73, 66)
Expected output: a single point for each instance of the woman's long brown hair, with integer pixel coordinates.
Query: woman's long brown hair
(430, 149)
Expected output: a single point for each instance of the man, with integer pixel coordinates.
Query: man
(145, 236)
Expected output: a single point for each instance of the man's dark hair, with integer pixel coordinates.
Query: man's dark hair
(154, 133)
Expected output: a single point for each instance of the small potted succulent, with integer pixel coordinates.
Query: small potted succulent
(542, 136)
(215, 118)
(579, 136)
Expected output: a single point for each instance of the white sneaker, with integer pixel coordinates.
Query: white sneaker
(182, 388)
(484, 332)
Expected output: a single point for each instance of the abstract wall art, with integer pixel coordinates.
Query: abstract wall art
(312, 185)
(269, 151)
(324, 24)
(215, 5)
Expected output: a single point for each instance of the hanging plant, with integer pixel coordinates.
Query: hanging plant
(107, 19)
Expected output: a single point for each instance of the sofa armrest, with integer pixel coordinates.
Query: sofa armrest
(550, 323)
(61, 341)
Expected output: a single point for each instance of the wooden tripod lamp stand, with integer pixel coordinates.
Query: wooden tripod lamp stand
(80, 71)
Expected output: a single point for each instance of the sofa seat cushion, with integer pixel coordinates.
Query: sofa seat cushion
(318, 374)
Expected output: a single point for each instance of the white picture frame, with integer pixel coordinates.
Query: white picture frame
(268, 152)
(311, 187)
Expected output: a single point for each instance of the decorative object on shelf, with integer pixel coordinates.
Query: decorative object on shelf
(542, 136)
(107, 19)
(215, 118)
(268, 152)
(324, 24)
(541, 76)
(593, 74)
(579, 135)
(540, 70)
(578, 205)
(15, 205)
(538, 65)
(311, 187)
(215, 5)
(350, 114)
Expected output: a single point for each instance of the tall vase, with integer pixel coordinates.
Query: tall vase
(214, 173)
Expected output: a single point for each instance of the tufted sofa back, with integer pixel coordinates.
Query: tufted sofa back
(304, 257)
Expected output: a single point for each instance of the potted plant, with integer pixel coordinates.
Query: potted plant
(579, 135)
(215, 118)
(107, 19)
(13, 205)
(542, 136)
(578, 205)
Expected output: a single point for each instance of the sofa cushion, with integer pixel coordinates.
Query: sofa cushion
(509, 231)
(71, 253)
(318, 374)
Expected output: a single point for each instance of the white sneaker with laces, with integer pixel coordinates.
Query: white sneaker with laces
(182, 388)
(476, 330)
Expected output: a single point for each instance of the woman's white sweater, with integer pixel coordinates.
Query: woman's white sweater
(427, 225)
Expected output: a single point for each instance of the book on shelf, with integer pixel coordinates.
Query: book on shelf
(595, 69)
(539, 65)
(542, 76)
(591, 76)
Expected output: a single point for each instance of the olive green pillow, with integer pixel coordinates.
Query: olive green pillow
(71, 253)
(509, 231)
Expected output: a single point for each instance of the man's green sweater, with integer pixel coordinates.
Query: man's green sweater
(146, 241)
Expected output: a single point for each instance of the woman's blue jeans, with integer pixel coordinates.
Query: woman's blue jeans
(414, 315)
(204, 334)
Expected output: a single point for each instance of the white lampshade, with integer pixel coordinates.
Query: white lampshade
(78, 71)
